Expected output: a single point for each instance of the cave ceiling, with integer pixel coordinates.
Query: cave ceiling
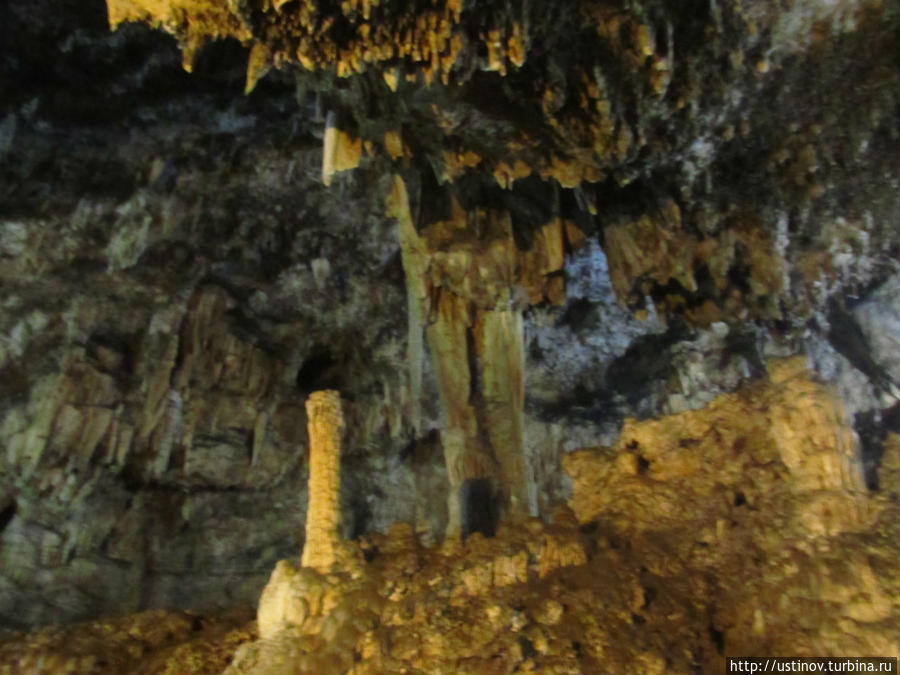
(704, 134)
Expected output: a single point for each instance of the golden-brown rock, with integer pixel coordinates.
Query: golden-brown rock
(149, 643)
(474, 289)
(737, 529)
(323, 409)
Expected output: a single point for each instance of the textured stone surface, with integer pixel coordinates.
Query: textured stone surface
(738, 529)
(159, 642)
(326, 422)
(662, 196)
(735, 529)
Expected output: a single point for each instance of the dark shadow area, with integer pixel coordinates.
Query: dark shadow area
(478, 507)
(846, 336)
(871, 446)
(362, 515)
(318, 371)
(648, 360)
(7, 513)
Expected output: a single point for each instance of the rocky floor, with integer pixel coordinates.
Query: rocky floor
(156, 641)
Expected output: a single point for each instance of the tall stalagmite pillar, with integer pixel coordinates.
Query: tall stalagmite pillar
(323, 408)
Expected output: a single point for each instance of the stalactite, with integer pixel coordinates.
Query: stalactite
(471, 287)
(341, 151)
(415, 262)
(499, 339)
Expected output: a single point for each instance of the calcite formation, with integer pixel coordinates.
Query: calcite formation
(323, 409)
(738, 529)
(654, 257)
(794, 429)
(340, 151)
(598, 212)
(473, 293)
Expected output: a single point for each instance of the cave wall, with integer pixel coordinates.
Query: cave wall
(177, 279)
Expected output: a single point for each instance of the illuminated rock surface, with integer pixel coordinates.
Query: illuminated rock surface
(548, 253)
(323, 409)
(709, 533)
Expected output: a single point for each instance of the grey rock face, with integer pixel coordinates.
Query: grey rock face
(879, 318)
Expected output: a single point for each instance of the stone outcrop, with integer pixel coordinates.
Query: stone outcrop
(795, 429)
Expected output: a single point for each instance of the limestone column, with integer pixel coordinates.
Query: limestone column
(499, 337)
(448, 342)
(323, 408)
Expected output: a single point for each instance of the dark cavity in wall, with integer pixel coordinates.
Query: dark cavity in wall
(647, 361)
(361, 515)
(318, 371)
(7, 513)
(478, 507)
(871, 441)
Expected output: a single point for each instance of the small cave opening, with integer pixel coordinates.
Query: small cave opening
(478, 507)
(317, 371)
(7, 513)
(527, 647)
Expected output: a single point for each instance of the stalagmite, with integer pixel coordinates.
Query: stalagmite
(323, 408)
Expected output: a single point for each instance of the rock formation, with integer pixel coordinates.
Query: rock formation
(473, 294)
(706, 534)
(609, 290)
(323, 409)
